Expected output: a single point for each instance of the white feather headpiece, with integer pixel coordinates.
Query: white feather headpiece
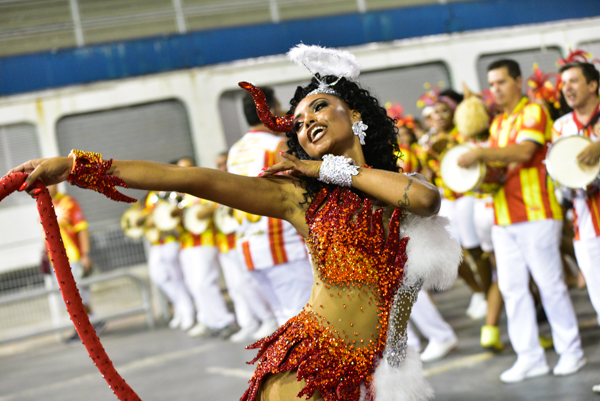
(324, 61)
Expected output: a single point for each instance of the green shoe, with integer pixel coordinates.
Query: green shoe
(546, 342)
(490, 338)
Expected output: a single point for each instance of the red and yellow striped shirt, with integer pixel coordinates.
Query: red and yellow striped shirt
(206, 238)
(528, 193)
(70, 221)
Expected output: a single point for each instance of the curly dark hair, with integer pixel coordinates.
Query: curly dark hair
(381, 149)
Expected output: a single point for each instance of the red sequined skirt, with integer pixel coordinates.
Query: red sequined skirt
(323, 360)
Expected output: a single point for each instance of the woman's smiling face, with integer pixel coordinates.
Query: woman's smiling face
(323, 124)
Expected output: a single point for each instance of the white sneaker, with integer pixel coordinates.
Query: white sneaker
(245, 335)
(523, 370)
(266, 329)
(436, 350)
(596, 388)
(198, 330)
(187, 323)
(568, 364)
(477, 307)
(175, 322)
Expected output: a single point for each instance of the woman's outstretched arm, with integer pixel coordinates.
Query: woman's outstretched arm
(410, 192)
(277, 197)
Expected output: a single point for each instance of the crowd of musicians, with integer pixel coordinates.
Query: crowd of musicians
(518, 173)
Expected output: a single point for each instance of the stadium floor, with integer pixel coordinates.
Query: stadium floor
(164, 364)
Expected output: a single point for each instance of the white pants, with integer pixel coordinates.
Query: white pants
(462, 224)
(587, 252)
(429, 322)
(533, 248)
(250, 306)
(286, 287)
(165, 272)
(201, 274)
(483, 216)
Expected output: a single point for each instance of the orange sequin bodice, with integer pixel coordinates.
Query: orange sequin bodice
(335, 341)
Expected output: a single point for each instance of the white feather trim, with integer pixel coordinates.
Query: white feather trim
(433, 254)
(405, 383)
(325, 61)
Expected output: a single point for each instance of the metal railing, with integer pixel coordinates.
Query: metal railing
(57, 326)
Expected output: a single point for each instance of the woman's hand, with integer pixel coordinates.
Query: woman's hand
(294, 167)
(48, 171)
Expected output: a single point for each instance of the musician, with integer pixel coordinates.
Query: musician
(459, 208)
(272, 249)
(526, 234)
(252, 312)
(580, 81)
(472, 119)
(164, 267)
(201, 271)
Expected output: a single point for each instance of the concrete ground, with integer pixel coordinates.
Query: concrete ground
(163, 364)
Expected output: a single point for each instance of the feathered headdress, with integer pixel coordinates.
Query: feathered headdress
(318, 60)
(430, 97)
(542, 88)
(323, 61)
(396, 111)
(577, 56)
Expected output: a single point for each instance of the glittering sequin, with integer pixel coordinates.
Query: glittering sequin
(274, 123)
(89, 171)
(335, 341)
(395, 347)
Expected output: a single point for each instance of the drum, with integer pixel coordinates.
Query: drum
(225, 219)
(152, 234)
(477, 178)
(163, 219)
(131, 223)
(191, 222)
(562, 165)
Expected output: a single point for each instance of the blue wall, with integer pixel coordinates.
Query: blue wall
(157, 54)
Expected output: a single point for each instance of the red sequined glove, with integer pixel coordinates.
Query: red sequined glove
(89, 171)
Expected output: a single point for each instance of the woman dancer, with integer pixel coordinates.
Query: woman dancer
(371, 250)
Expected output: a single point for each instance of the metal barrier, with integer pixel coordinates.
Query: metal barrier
(145, 308)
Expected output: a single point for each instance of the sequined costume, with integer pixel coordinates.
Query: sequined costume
(335, 343)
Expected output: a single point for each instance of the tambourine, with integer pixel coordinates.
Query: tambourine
(562, 165)
(191, 222)
(163, 218)
(225, 219)
(131, 223)
(479, 177)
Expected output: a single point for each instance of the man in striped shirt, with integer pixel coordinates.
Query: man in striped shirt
(580, 89)
(528, 225)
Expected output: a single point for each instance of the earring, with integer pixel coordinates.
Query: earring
(359, 129)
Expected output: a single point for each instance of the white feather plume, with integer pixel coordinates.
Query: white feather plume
(404, 383)
(433, 254)
(325, 61)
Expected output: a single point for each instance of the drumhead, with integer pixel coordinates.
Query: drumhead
(191, 221)
(129, 223)
(563, 167)
(456, 178)
(225, 221)
(162, 216)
